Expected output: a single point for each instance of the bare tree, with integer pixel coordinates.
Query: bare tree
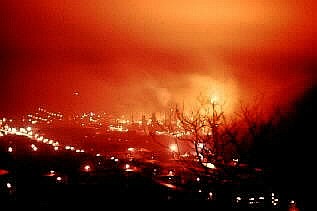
(215, 137)
(202, 126)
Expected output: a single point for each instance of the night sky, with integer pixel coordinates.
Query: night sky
(143, 55)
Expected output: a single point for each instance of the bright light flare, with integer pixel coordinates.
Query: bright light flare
(131, 149)
(87, 168)
(171, 173)
(173, 148)
(209, 165)
(9, 185)
(214, 99)
(34, 147)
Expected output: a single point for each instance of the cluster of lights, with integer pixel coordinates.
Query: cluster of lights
(54, 144)
(179, 133)
(260, 199)
(275, 200)
(87, 168)
(4, 120)
(251, 200)
(21, 132)
(114, 159)
(34, 148)
(29, 133)
(44, 116)
(118, 128)
(92, 119)
(123, 121)
(59, 179)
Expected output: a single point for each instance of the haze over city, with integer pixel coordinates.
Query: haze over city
(142, 55)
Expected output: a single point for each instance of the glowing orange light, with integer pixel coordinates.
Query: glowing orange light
(131, 149)
(173, 147)
(213, 99)
(87, 168)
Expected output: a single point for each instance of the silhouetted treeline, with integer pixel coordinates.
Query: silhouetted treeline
(287, 150)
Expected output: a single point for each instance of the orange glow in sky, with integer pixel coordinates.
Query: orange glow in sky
(143, 55)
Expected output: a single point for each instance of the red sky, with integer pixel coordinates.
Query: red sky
(140, 55)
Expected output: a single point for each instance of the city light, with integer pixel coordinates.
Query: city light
(128, 149)
(173, 147)
(87, 168)
(209, 165)
(9, 185)
(210, 196)
(131, 149)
